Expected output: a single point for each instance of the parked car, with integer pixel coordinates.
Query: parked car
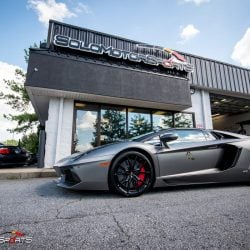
(15, 156)
(161, 158)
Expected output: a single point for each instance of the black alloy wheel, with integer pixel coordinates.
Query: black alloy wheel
(131, 174)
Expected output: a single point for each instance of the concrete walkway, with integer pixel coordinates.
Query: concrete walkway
(26, 173)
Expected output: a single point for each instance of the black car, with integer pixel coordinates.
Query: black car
(14, 156)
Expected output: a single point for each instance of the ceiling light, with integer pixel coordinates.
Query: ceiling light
(216, 103)
(217, 114)
(79, 104)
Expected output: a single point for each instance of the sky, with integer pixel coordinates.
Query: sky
(217, 29)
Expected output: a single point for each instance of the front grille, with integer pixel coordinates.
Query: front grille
(70, 176)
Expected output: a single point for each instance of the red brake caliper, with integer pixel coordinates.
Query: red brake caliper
(141, 176)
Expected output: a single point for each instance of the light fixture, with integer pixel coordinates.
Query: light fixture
(79, 104)
(217, 114)
(192, 91)
(216, 103)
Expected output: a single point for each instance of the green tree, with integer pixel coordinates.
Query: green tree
(182, 120)
(30, 142)
(139, 125)
(112, 127)
(10, 142)
(168, 121)
(17, 98)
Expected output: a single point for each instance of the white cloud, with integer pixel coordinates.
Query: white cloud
(241, 51)
(87, 121)
(83, 147)
(50, 9)
(7, 72)
(6, 124)
(197, 2)
(83, 8)
(188, 32)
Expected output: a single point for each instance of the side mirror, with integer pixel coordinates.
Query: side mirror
(165, 138)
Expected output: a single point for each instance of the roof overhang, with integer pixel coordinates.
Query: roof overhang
(52, 75)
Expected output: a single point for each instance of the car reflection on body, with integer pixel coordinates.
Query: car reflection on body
(162, 158)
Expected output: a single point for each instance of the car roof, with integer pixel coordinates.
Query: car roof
(162, 131)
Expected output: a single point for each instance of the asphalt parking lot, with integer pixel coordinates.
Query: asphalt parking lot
(197, 217)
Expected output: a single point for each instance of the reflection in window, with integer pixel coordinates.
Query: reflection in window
(101, 124)
(162, 120)
(86, 128)
(183, 120)
(188, 136)
(113, 124)
(139, 122)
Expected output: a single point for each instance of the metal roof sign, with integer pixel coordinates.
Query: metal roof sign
(175, 60)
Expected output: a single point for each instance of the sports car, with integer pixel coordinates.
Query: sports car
(159, 158)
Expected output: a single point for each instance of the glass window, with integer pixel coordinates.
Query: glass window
(101, 124)
(113, 124)
(139, 122)
(188, 136)
(162, 120)
(183, 120)
(86, 128)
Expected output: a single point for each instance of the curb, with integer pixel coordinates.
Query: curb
(27, 173)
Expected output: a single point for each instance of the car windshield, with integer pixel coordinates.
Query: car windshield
(142, 137)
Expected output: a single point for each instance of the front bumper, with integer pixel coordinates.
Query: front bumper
(83, 177)
(67, 175)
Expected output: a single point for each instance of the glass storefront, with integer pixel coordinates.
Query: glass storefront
(183, 120)
(86, 121)
(102, 124)
(112, 124)
(139, 122)
(162, 120)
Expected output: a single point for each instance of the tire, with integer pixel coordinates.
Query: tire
(131, 174)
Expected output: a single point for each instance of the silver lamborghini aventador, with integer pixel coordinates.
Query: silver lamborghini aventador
(161, 158)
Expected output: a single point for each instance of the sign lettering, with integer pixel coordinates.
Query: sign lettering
(176, 61)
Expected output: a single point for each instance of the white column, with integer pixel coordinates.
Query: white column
(58, 129)
(206, 110)
(51, 132)
(202, 109)
(64, 142)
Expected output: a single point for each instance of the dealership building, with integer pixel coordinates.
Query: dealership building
(90, 88)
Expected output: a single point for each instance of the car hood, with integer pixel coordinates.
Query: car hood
(101, 151)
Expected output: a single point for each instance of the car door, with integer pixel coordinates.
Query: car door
(192, 154)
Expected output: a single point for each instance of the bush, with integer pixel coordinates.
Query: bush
(30, 142)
